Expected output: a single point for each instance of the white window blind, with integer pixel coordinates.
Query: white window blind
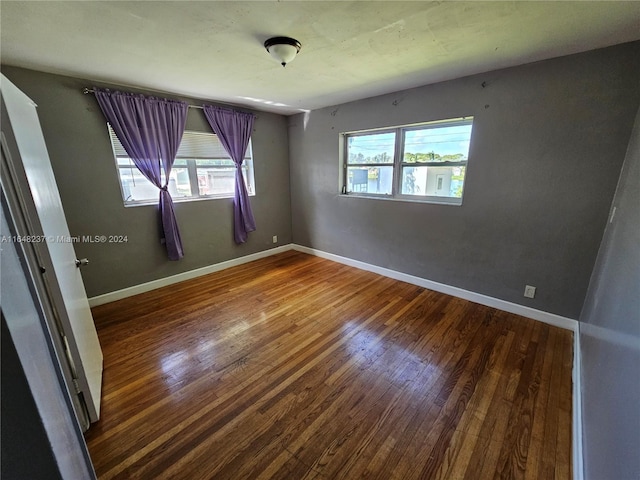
(193, 145)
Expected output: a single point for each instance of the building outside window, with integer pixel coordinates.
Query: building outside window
(426, 162)
(202, 169)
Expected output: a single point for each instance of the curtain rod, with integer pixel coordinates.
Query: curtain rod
(91, 90)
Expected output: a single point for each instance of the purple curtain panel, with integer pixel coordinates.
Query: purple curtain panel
(150, 130)
(234, 131)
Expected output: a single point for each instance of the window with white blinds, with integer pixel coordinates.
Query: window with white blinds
(203, 169)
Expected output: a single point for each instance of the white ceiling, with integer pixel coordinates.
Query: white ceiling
(350, 49)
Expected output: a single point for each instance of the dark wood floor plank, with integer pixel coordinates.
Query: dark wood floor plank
(293, 366)
(467, 435)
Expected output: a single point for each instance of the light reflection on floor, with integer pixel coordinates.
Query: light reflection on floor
(200, 358)
(373, 354)
(187, 362)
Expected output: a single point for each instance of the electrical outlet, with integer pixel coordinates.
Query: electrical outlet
(529, 291)
(275, 239)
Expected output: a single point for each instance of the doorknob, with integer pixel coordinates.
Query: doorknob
(82, 262)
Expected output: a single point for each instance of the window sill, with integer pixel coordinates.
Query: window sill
(154, 203)
(448, 201)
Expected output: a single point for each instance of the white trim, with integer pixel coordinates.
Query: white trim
(545, 317)
(181, 277)
(576, 420)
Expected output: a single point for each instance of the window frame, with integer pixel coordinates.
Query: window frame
(363, 133)
(191, 166)
(399, 164)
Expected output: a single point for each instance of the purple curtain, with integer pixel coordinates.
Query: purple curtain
(234, 131)
(150, 130)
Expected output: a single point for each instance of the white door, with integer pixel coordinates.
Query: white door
(35, 184)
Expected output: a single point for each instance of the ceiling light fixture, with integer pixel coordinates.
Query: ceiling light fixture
(283, 49)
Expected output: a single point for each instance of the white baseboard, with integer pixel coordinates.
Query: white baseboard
(576, 420)
(181, 277)
(546, 317)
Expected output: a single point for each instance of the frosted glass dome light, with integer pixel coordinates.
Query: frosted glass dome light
(283, 49)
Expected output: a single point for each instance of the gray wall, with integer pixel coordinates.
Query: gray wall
(610, 337)
(83, 163)
(547, 146)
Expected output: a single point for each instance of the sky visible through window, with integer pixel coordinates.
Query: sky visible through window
(442, 140)
(451, 140)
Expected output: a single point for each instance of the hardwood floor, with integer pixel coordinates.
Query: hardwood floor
(296, 367)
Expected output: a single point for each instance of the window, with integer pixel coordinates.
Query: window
(202, 169)
(426, 162)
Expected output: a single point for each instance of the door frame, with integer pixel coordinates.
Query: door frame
(38, 263)
(31, 176)
(38, 348)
